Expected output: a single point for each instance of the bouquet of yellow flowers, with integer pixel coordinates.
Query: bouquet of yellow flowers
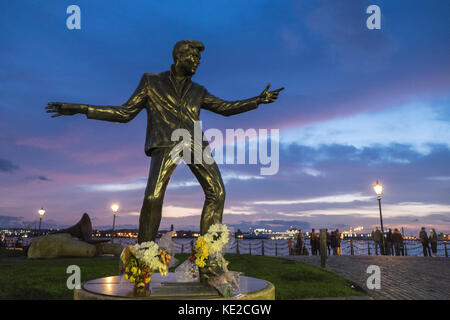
(140, 260)
(212, 266)
(208, 263)
(138, 273)
(210, 244)
(200, 252)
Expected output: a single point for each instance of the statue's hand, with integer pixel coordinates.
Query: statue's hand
(63, 109)
(268, 96)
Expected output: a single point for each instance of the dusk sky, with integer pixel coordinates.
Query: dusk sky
(358, 105)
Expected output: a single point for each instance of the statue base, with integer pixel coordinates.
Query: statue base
(166, 288)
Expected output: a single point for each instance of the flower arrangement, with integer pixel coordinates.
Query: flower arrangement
(200, 252)
(150, 254)
(210, 244)
(207, 263)
(137, 273)
(141, 260)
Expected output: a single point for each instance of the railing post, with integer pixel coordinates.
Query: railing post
(405, 247)
(352, 251)
(276, 248)
(250, 248)
(237, 247)
(182, 248)
(262, 247)
(368, 248)
(323, 248)
(404, 251)
(445, 248)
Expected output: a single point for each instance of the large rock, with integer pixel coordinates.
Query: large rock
(109, 248)
(59, 245)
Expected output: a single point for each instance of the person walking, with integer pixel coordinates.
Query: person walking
(376, 237)
(389, 243)
(425, 242)
(397, 240)
(19, 242)
(12, 242)
(433, 241)
(313, 242)
(338, 244)
(300, 243)
(3, 240)
(328, 242)
(318, 242)
(402, 244)
(333, 242)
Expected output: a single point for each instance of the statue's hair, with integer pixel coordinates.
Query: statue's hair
(183, 45)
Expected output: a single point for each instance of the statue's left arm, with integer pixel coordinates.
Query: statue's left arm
(228, 108)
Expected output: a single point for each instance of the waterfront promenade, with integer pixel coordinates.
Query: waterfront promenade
(402, 278)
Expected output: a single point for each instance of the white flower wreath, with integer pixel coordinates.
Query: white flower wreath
(217, 237)
(147, 252)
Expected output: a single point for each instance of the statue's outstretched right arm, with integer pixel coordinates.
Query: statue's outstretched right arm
(123, 113)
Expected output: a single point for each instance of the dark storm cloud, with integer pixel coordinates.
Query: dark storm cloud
(11, 222)
(371, 156)
(7, 166)
(38, 178)
(304, 171)
(404, 171)
(396, 153)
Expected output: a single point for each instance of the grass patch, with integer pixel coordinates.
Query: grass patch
(46, 279)
(292, 280)
(8, 253)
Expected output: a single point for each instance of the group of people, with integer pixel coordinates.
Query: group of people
(426, 241)
(12, 243)
(391, 244)
(333, 243)
(394, 244)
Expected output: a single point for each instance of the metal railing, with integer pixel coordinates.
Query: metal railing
(280, 247)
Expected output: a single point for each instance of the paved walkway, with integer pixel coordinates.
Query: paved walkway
(402, 278)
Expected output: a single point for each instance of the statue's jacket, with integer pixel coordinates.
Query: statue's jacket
(168, 107)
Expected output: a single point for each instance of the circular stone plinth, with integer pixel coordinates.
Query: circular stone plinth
(162, 288)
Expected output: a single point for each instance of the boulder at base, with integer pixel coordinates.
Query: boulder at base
(109, 248)
(59, 245)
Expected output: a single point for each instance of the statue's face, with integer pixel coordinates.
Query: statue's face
(188, 61)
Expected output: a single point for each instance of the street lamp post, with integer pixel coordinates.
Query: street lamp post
(114, 208)
(41, 212)
(379, 190)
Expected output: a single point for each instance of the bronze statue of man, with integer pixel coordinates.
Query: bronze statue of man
(172, 102)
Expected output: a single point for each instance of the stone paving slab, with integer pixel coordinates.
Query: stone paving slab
(402, 278)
